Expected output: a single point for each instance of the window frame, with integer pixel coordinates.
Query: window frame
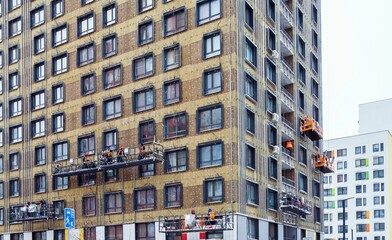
(11, 137)
(178, 133)
(211, 72)
(34, 24)
(177, 64)
(55, 14)
(212, 127)
(87, 138)
(38, 105)
(165, 91)
(214, 53)
(140, 91)
(113, 99)
(139, 32)
(212, 162)
(146, 74)
(13, 21)
(55, 31)
(65, 144)
(215, 198)
(40, 188)
(112, 7)
(39, 75)
(114, 39)
(148, 206)
(168, 168)
(56, 58)
(34, 133)
(210, 18)
(81, 19)
(142, 9)
(55, 99)
(86, 47)
(179, 195)
(117, 209)
(38, 161)
(251, 62)
(54, 118)
(14, 187)
(85, 110)
(249, 200)
(250, 25)
(174, 12)
(82, 81)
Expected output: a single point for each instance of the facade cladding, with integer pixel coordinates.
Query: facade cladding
(223, 86)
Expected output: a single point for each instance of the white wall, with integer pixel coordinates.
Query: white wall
(375, 116)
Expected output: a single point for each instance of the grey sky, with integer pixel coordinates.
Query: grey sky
(357, 45)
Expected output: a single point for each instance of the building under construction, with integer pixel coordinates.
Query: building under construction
(169, 119)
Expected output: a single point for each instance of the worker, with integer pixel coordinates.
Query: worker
(142, 151)
(120, 154)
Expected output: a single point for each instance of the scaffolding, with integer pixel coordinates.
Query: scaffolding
(311, 128)
(296, 205)
(30, 212)
(196, 223)
(128, 157)
(323, 163)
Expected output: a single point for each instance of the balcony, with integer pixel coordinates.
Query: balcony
(295, 205)
(287, 130)
(287, 159)
(311, 128)
(32, 212)
(287, 45)
(323, 163)
(212, 222)
(289, 219)
(286, 16)
(288, 76)
(130, 157)
(287, 101)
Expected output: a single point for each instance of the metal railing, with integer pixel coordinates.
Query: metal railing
(286, 12)
(31, 212)
(287, 71)
(286, 40)
(291, 203)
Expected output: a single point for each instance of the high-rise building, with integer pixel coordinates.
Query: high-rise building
(224, 86)
(362, 178)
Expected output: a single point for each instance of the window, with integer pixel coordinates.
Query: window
(14, 4)
(145, 5)
(379, 213)
(40, 183)
(253, 228)
(212, 81)
(341, 178)
(376, 187)
(60, 64)
(38, 128)
(208, 10)
(316, 189)
(213, 190)
(376, 147)
(88, 114)
(85, 2)
(39, 71)
(143, 66)
(16, 134)
(40, 155)
(314, 63)
(272, 136)
(86, 54)
(315, 40)
(88, 83)
(13, 54)
(109, 15)
(1, 112)
(250, 156)
(14, 187)
(210, 154)
(342, 152)
(58, 122)
(1, 164)
(89, 233)
(175, 125)
(272, 168)
(147, 170)
(114, 232)
(329, 192)
(172, 57)
(59, 35)
(250, 121)
(343, 190)
(15, 27)
(252, 193)
(143, 100)
(14, 159)
(38, 100)
(301, 47)
(16, 236)
(109, 46)
(271, 40)
(302, 155)
(174, 22)
(272, 199)
(210, 118)
(303, 182)
(300, 19)
(111, 175)
(340, 203)
(86, 24)
(58, 207)
(250, 87)
(1, 192)
(60, 151)
(176, 160)
(250, 53)
(378, 160)
(15, 106)
(173, 195)
(146, 32)
(378, 174)
(87, 179)
(1, 32)
(270, 102)
(301, 75)
(13, 80)
(212, 44)
(60, 183)
(112, 108)
(145, 231)
(144, 199)
(172, 91)
(314, 15)
(113, 202)
(37, 16)
(249, 18)
(1, 86)
(379, 227)
(57, 7)
(58, 93)
(315, 93)
(86, 145)
(361, 162)
(146, 131)
(1, 59)
(361, 176)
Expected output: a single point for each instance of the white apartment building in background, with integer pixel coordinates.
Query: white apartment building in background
(363, 172)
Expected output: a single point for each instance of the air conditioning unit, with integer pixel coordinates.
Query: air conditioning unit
(275, 150)
(275, 54)
(275, 118)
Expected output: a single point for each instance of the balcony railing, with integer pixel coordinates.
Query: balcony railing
(287, 100)
(287, 73)
(287, 158)
(287, 43)
(288, 218)
(288, 18)
(196, 223)
(151, 153)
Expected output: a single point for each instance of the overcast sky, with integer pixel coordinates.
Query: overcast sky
(357, 60)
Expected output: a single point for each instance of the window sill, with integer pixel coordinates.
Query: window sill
(88, 124)
(80, 35)
(58, 102)
(251, 168)
(40, 136)
(39, 164)
(178, 136)
(177, 206)
(248, 27)
(112, 118)
(212, 166)
(214, 55)
(168, 69)
(214, 202)
(302, 164)
(212, 92)
(143, 110)
(108, 55)
(140, 44)
(165, 35)
(209, 130)
(112, 86)
(213, 20)
(250, 64)
(89, 215)
(111, 213)
(252, 204)
(171, 172)
(40, 192)
(57, 16)
(15, 142)
(105, 25)
(86, 63)
(145, 10)
(59, 44)
(88, 93)
(136, 78)
(250, 98)
(171, 103)
(37, 25)
(146, 209)
(303, 192)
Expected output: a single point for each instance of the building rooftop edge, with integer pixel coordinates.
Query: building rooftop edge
(358, 135)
